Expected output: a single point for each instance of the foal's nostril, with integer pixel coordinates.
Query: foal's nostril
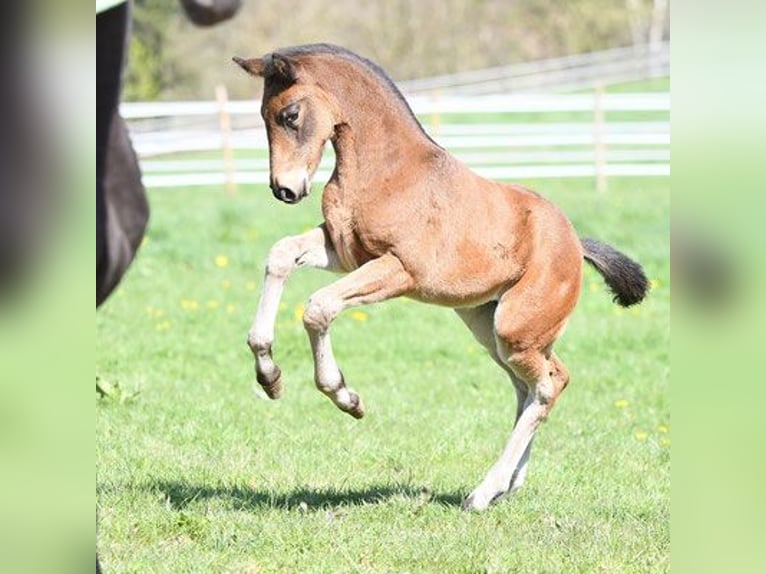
(286, 194)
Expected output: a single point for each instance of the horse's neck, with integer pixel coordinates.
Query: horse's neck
(370, 151)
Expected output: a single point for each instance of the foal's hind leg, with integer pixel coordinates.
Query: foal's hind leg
(311, 249)
(528, 319)
(510, 470)
(480, 320)
(376, 280)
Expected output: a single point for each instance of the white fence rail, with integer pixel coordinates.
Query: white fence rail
(502, 137)
(573, 72)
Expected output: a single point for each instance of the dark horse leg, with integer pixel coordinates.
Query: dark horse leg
(111, 38)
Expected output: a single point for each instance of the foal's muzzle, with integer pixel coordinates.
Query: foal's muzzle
(290, 187)
(285, 194)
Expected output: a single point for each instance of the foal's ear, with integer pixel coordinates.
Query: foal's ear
(271, 65)
(253, 66)
(283, 68)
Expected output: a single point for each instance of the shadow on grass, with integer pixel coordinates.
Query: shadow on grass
(179, 495)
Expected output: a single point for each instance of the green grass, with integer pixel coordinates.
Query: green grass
(661, 84)
(198, 472)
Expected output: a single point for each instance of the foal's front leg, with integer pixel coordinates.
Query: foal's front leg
(377, 280)
(311, 249)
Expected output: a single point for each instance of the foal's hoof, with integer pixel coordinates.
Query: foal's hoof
(469, 504)
(272, 386)
(479, 502)
(357, 407)
(474, 504)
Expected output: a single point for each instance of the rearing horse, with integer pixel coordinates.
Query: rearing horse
(402, 217)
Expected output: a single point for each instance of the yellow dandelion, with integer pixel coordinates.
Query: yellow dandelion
(221, 261)
(212, 304)
(230, 308)
(298, 311)
(641, 435)
(654, 283)
(282, 306)
(664, 441)
(359, 316)
(663, 428)
(189, 305)
(162, 326)
(593, 286)
(158, 313)
(618, 311)
(145, 240)
(621, 403)
(250, 285)
(225, 283)
(635, 311)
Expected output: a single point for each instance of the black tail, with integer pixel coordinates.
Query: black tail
(624, 276)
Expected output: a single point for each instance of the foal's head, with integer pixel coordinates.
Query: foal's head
(300, 117)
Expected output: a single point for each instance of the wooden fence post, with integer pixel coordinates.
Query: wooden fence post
(599, 129)
(224, 119)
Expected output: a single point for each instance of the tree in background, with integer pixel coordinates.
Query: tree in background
(151, 72)
(408, 38)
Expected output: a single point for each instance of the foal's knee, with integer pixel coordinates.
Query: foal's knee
(319, 313)
(281, 259)
(546, 377)
(550, 389)
(558, 373)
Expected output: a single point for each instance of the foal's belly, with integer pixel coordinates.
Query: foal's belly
(452, 299)
(465, 275)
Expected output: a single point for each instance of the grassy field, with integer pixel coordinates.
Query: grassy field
(198, 472)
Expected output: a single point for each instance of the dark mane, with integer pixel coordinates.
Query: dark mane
(332, 49)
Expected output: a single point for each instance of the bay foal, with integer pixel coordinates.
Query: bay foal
(402, 217)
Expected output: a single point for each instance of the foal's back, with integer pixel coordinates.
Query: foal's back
(466, 239)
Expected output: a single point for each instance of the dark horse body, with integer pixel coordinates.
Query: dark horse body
(122, 210)
(402, 217)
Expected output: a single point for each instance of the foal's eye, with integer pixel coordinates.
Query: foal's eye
(289, 116)
(291, 120)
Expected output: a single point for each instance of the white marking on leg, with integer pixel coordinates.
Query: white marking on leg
(498, 480)
(523, 398)
(520, 475)
(319, 313)
(480, 320)
(375, 281)
(308, 250)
